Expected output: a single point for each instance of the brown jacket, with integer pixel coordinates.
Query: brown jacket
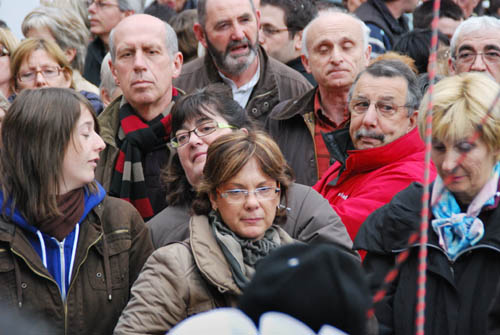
(277, 83)
(309, 219)
(113, 230)
(179, 280)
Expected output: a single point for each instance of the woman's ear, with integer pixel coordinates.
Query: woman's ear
(213, 200)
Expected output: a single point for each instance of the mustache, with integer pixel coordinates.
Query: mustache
(244, 42)
(363, 132)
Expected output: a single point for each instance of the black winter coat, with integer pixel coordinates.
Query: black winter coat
(458, 292)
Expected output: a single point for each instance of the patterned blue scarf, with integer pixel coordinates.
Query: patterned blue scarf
(457, 230)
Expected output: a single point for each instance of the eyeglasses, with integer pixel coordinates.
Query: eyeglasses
(203, 129)
(384, 108)
(47, 72)
(4, 52)
(100, 4)
(468, 57)
(238, 196)
(270, 30)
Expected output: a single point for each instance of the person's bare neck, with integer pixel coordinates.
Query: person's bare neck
(396, 8)
(105, 40)
(333, 103)
(245, 76)
(5, 89)
(150, 111)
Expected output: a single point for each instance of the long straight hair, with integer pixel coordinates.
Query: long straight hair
(36, 133)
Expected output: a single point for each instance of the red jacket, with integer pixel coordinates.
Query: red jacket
(372, 177)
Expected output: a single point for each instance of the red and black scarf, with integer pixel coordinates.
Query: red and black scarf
(135, 139)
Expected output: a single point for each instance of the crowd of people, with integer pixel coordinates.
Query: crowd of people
(249, 166)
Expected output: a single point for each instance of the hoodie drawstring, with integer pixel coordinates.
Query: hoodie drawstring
(19, 288)
(107, 268)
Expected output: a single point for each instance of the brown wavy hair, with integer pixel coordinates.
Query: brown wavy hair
(227, 155)
(36, 132)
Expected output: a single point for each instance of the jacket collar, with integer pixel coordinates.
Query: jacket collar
(208, 256)
(360, 161)
(299, 106)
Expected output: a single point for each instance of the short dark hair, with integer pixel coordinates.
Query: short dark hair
(213, 98)
(423, 14)
(202, 11)
(394, 68)
(298, 13)
(162, 12)
(31, 167)
(417, 45)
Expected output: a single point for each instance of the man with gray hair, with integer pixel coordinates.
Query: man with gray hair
(228, 29)
(104, 15)
(136, 128)
(475, 46)
(381, 152)
(335, 49)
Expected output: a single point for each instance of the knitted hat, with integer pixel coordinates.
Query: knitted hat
(317, 284)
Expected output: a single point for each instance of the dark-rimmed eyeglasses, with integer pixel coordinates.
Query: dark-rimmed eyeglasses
(204, 129)
(238, 196)
(385, 109)
(48, 72)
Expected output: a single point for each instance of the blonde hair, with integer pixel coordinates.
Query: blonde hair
(460, 103)
(8, 40)
(30, 45)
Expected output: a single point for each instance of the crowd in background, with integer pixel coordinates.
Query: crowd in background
(249, 166)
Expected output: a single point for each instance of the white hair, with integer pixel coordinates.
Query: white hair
(334, 11)
(474, 23)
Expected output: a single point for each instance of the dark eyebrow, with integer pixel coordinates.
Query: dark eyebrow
(488, 47)
(465, 47)
(203, 119)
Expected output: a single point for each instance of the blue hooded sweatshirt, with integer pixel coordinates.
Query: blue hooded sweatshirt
(57, 257)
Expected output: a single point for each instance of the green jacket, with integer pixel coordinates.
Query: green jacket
(112, 247)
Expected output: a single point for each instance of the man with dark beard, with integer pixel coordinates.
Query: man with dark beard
(381, 152)
(229, 29)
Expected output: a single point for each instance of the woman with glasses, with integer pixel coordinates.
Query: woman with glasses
(8, 43)
(38, 63)
(200, 118)
(234, 226)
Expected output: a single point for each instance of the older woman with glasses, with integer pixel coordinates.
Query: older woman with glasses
(244, 178)
(38, 63)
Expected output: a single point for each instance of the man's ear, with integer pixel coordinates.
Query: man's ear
(413, 121)
(113, 72)
(200, 34)
(451, 66)
(177, 64)
(305, 62)
(297, 41)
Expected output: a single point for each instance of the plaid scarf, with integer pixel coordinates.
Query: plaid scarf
(136, 138)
